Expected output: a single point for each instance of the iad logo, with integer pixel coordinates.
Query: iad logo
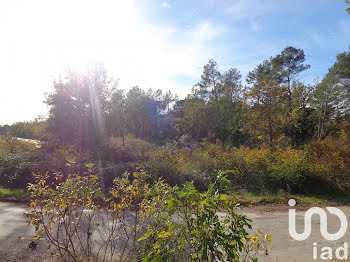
(326, 253)
(323, 222)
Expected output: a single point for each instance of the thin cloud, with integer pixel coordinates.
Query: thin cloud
(208, 31)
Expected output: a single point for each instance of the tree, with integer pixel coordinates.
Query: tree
(282, 70)
(331, 97)
(267, 109)
(288, 64)
(327, 98)
(231, 105)
(147, 113)
(303, 116)
(195, 120)
(209, 86)
(34, 129)
(5, 129)
(341, 67)
(78, 107)
(340, 73)
(220, 93)
(263, 71)
(210, 90)
(116, 117)
(231, 85)
(347, 2)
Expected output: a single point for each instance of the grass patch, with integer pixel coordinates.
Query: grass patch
(244, 198)
(253, 199)
(13, 194)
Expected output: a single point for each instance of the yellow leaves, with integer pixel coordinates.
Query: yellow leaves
(37, 237)
(58, 176)
(142, 238)
(254, 238)
(332, 153)
(164, 234)
(224, 197)
(62, 206)
(89, 165)
(89, 199)
(33, 203)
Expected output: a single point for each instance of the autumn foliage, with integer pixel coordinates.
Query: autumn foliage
(318, 167)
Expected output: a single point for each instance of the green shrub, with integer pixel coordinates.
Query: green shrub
(186, 225)
(16, 162)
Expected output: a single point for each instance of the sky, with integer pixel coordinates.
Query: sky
(158, 44)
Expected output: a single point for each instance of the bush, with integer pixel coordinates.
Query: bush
(109, 162)
(186, 225)
(80, 223)
(16, 162)
(321, 165)
(139, 221)
(330, 161)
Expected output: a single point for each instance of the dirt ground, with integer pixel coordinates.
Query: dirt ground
(270, 220)
(12, 226)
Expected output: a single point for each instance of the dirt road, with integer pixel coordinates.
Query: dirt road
(274, 222)
(270, 220)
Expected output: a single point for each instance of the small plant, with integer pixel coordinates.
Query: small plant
(189, 225)
(80, 223)
(67, 213)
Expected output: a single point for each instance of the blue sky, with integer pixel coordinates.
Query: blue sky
(155, 43)
(243, 33)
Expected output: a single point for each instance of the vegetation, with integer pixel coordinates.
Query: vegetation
(274, 109)
(8, 194)
(141, 222)
(35, 129)
(278, 137)
(325, 164)
(141, 175)
(16, 162)
(276, 133)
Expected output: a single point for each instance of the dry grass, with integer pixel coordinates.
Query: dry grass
(135, 146)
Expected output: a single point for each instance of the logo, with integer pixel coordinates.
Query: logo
(326, 252)
(323, 222)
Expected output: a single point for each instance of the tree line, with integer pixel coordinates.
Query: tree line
(273, 108)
